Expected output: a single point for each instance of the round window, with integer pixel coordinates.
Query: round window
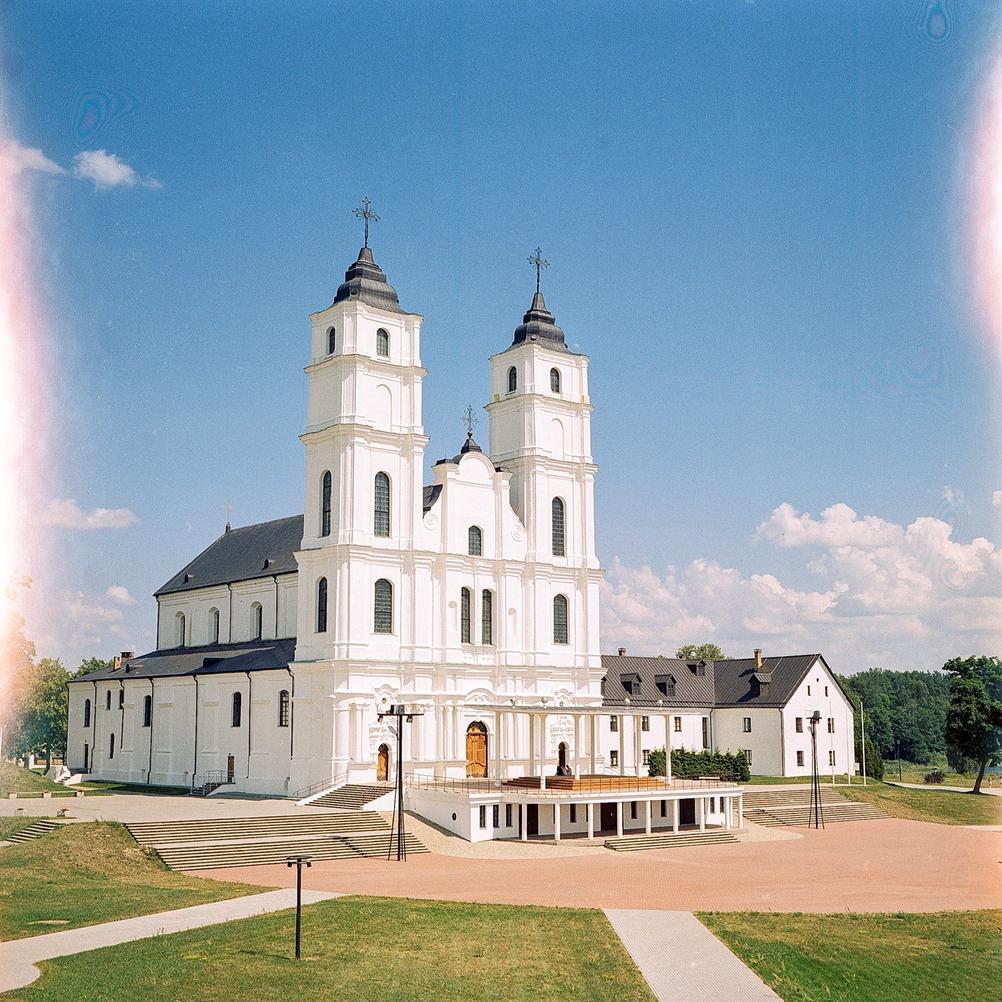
(453, 817)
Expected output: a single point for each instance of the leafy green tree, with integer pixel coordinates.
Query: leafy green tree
(40, 712)
(974, 717)
(89, 665)
(701, 652)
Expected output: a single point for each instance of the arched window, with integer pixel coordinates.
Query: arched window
(235, 708)
(322, 605)
(512, 380)
(121, 698)
(147, 711)
(476, 541)
(487, 617)
(213, 626)
(382, 343)
(325, 504)
(331, 338)
(107, 700)
(465, 634)
(283, 708)
(382, 613)
(555, 380)
(560, 619)
(557, 518)
(111, 745)
(257, 621)
(381, 508)
(86, 722)
(180, 631)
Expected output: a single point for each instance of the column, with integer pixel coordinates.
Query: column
(556, 822)
(523, 830)
(701, 812)
(577, 746)
(591, 742)
(532, 743)
(728, 812)
(439, 731)
(542, 752)
(647, 817)
(741, 811)
(619, 818)
(591, 821)
(498, 724)
(341, 724)
(622, 746)
(450, 732)
(637, 763)
(674, 815)
(667, 750)
(360, 749)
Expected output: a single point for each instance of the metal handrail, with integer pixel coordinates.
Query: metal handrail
(320, 784)
(596, 784)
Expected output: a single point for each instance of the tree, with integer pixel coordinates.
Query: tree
(701, 652)
(40, 712)
(89, 665)
(974, 716)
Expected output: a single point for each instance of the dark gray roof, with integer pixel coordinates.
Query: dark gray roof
(210, 659)
(366, 281)
(726, 683)
(240, 554)
(539, 325)
(429, 495)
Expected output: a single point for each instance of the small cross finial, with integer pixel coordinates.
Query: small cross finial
(540, 262)
(229, 511)
(365, 211)
(470, 420)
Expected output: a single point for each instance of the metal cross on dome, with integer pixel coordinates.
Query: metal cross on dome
(366, 212)
(470, 419)
(540, 262)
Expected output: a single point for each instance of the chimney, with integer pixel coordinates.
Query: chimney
(622, 652)
(116, 662)
(758, 659)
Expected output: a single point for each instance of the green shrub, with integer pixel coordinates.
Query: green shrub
(693, 764)
(936, 776)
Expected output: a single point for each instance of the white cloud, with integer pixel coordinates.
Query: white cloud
(953, 496)
(120, 595)
(82, 610)
(997, 499)
(893, 595)
(65, 513)
(15, 158)
(104, 169)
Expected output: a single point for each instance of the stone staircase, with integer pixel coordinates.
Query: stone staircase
(35, 830)
(208, 843)
(669, 840)
(775, 808)
(351, 797)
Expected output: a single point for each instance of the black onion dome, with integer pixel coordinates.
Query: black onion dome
(468, 446)
(366, 281)
(539, 325)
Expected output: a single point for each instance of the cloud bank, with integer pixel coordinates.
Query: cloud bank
(65, 513)
(102, 169)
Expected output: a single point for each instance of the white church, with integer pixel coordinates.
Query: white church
(472, 600)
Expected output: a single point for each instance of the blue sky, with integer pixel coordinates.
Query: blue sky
(755, 215)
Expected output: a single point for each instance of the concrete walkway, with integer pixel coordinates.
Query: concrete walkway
(683, 961)
(18, 957)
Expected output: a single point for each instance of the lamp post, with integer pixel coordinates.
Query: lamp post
(816, 815)
(402, 715)
(862, 738)
(299, 862)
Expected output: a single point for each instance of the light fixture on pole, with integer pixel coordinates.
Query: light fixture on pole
(401, 715)
(299, 862)
(816, 815)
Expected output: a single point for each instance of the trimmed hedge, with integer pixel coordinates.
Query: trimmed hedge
(693, 764)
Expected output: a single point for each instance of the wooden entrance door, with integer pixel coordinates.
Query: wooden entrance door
(687, 811)
(476, 750)
(231, 768)
(383, 763)
(532, 819)
(607, 818)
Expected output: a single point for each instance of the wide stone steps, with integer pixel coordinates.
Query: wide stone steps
(35, 830)
(351, 797)
(635, 843)
(156, 833)
(346, 846)
(774, 808)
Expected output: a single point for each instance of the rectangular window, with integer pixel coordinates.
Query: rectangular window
(678, 725)
(464, 616)
(808, 690)
(645, 723)
(645, 757)
(633, 810)
(831, 758)
(507, 815)
(614, 758)
(574, 813)
(121, 698)
(483, 815)
(560, 619)
(746, 725)
(487, 618)
(706, 732)
(747, 754)
(826, 690)
(664, 808)
(382, 617)
(800, 758)
(800, 725)
(713, 805)
(496, 815)
(831, 725)
(614, 723)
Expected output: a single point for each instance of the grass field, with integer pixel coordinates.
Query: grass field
(10, 825)
(87, 873)
(786, 780)
(946, 957)
(14, 779)
(371, 948)
(946, 807)
(915, 772)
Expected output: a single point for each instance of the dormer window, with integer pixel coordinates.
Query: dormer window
(631, 683)
(665, 685)
(383, 343)
(698, 668)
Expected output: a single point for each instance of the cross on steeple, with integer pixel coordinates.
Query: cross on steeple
(229, 511)
(365, 211)
(540, 262)
(470, 420)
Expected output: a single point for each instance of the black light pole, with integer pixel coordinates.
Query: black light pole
(299, 862)
(816, 815)
(402, 715)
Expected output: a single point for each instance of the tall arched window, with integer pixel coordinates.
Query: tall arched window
(331, 340)
(86, 722)
(476, 541)
(147, 711)
(325, 504)
(465, 630)
(179, 629)
(283, 708)
(382, 610)
(560, 619)
(235, 709)
(381, 508)
(107, 700)
(512, 379)
(322, 605)
(257, 621)
(383, 343)
(213, 626)
(557, 518)
(111, 745)
(555, 380)
(487, 617)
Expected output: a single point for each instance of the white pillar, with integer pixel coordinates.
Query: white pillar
(341, 724)
(523, 810)
(622, 746)
(532, 744)
(591, 821)
(701, 812)
(667, 750)
(498, 724)
(619, 818)
(577, 746)
(591, 742)
(556, 822)
(637, 763)
(741, 811)
(542, 752)
(647, 817)
(674, 815)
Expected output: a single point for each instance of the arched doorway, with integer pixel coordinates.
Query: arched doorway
(383, 763)
(476, 750)
(562, 769)
(86, 756)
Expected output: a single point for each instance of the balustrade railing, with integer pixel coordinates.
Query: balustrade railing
(563, 786)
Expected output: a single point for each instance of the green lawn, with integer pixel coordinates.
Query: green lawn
(10, 825)
(947, 807)
(14, 779)
(915, 772)
(87, 873)
(785, 780)
(364, 948)
(944, 957)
